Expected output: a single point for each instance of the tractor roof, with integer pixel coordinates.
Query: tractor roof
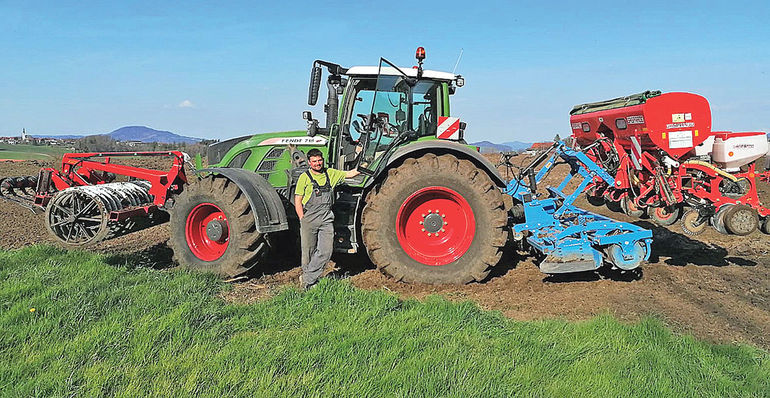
(372, 71)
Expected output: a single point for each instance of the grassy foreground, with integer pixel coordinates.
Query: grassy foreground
(101, 329)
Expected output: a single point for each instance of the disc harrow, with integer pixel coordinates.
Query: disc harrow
(84, 206)
(20, 190)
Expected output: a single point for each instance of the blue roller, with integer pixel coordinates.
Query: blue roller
(572, 239)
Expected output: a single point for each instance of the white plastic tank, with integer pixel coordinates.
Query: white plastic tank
(731, 150)
(705, 148)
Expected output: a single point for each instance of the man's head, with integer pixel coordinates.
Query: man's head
(316, 159)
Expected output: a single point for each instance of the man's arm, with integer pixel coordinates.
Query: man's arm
(298, 206)
(352, 173)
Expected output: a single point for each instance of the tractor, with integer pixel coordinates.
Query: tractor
(427, 207)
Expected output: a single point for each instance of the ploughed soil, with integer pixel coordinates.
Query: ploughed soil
(713, 286)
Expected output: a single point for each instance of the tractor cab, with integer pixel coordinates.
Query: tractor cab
(382, 108)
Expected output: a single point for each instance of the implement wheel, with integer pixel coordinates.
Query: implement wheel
(664, 215)
(741, 220)
(688, 223)
(630, 208)
(213, 229)
(435, 219)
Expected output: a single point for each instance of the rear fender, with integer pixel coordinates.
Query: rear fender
(441, 147)
(269, 212)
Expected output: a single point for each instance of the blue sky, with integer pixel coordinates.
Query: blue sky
(225, 69)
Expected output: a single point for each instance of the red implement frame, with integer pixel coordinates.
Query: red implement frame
(92, 168)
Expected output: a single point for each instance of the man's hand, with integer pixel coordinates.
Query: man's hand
(298, 206)
(352, 173)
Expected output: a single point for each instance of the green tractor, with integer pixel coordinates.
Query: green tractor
(427, 207)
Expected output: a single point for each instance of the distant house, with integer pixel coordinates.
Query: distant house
(133, 143)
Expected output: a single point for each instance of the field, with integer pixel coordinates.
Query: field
(713, 287)
(76, 323)
(30, 152)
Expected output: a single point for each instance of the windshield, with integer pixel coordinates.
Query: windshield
(386, 108)
(391, 99)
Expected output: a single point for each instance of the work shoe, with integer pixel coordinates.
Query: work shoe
(305, 286)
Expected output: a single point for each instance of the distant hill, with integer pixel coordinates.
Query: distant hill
(133, 133)
(487, 147)
(60, 137)
(146, 134)
(518, 145)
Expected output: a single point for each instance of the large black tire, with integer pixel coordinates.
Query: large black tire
(428, 175)
(244, 245)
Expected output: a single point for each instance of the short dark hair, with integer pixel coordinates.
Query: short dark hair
(314, 152)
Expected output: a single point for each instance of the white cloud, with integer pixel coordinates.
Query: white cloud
(186, 104)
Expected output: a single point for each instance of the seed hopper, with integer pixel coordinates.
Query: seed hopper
(666, 160)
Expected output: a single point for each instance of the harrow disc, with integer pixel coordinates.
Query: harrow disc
(718, 219)
(80, 216)
(691, 223)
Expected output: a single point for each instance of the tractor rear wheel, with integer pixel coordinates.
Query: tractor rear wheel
(213, 229)
(741, 220)
(435, 219)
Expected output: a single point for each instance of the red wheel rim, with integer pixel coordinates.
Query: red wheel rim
(662, 213)
(199, 242)
(435, 226)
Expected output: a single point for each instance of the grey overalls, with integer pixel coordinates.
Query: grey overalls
(317, 230)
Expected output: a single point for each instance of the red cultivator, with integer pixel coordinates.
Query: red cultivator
(665, 158)
(83, 202)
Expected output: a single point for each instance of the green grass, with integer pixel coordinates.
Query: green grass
(31, 152)
(102, 329)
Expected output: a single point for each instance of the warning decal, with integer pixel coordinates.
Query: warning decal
(448, 128)
(680, 139)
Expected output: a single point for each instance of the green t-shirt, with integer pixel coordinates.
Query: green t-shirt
(305, 187)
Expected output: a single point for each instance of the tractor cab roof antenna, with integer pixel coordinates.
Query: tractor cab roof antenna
(458, 61)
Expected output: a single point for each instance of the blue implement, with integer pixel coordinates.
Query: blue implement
(572, 239)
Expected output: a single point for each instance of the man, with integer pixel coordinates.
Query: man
(313, 202)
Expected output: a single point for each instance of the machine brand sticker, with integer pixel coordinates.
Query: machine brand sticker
(677, 117)
(294, 141)
(680, 125)
(744, 146)
(636, 119)
(576, 126)
(688, 116)
(680, 139)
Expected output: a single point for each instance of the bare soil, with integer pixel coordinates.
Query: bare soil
(716, 287)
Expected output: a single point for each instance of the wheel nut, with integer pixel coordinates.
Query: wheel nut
(420, 222)
(423, 230)
(428, 233)
(443, 215)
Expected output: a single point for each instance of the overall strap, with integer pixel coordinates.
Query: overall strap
(315, 184)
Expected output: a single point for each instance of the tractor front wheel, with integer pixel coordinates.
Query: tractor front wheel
(213, 229)
(435, 219)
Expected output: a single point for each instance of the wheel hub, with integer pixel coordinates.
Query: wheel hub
(216, 230)
(433, 222)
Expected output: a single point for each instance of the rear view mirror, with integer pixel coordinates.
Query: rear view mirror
(315, 85)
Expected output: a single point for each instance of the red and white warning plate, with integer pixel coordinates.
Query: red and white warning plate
(448, 128)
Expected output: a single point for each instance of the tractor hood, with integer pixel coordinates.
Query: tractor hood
(217, 151)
